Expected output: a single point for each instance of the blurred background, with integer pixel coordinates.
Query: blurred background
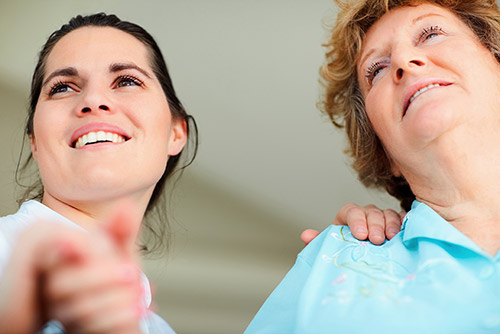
(269, 165)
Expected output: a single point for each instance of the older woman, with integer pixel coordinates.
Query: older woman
(416, 84)
(107, 131)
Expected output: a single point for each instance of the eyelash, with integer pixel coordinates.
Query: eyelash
(62, 84)
(426, 32)
(56, 86)
(132, 78)
(371, 71)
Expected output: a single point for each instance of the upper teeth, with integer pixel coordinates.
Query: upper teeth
(99, 136)
(421, 90)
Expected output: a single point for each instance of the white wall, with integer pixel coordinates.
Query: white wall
(269, 164)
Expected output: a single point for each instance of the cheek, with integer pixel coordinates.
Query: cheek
(377, 117)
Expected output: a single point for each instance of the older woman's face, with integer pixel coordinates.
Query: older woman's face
(102, 125)
(425, 76)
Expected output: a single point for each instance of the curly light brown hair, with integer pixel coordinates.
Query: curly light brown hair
(342, 100)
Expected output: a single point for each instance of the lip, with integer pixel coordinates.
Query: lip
(412, 89)
(97, 126)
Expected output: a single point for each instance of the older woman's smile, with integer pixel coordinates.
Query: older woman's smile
(415, 90)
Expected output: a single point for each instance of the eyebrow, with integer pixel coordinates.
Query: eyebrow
(117, 67)
(66, 72)
(421, 17)
(415, 20)
(113, 68)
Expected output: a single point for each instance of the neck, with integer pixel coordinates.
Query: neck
(465, 190)
(90, 214)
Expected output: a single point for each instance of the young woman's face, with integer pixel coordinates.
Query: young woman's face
(102, 126)
(425, 76)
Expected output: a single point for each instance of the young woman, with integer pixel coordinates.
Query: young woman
(107, 131)
(416, 85)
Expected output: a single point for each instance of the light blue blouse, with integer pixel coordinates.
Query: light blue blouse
(430, 278)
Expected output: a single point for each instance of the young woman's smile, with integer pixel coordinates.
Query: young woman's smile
(102, 123)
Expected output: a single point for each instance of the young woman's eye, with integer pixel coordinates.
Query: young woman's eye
(59, 87)
(125, 81)
(373, 71)
(431, 32)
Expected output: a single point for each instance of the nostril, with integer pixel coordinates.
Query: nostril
(103, 107)
(399, 73)
(86, 109)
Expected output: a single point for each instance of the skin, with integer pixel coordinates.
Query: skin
(368, 222)
(442, 143)
(90, 281)
(97, 177)
(431, 143)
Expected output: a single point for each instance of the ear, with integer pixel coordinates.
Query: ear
(396, 171)
(34, 149)
(178, 137)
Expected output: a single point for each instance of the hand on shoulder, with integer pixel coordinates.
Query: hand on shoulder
(366, 222)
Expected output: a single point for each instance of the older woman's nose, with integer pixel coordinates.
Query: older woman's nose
(410, 66)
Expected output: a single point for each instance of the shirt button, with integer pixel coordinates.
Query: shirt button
(486, 271)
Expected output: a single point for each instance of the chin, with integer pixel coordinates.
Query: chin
(430, 122)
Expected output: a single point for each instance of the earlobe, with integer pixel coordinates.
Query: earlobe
(34, 151)
(178, 138)
(395, 170)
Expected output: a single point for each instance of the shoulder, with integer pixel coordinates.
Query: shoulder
(12, 225)
(331, 240)
(337, 253)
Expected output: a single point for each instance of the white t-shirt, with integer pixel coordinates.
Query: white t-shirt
(33, 211)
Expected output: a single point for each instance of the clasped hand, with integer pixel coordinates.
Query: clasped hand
(88, 281)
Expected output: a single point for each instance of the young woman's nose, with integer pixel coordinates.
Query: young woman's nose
(94, 100)
(89, 109)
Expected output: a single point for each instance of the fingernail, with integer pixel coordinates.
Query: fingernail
(378, 235)
(393, 231)
(360, 230)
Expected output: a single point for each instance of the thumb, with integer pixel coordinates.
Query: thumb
(308, 235)
(122, 227)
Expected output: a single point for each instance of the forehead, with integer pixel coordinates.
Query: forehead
(401, 21)
(96, 47)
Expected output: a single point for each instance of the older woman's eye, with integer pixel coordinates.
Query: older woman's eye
(127, 80)
(431, 32)
(373, 71)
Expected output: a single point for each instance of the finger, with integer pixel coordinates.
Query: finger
(71, 281)
(308, 235)
(402, 215)
(376, 226)
(20, 283)
(101, 311)
(123, 228)
(392, 223)
(124, 321)
(354, 216)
